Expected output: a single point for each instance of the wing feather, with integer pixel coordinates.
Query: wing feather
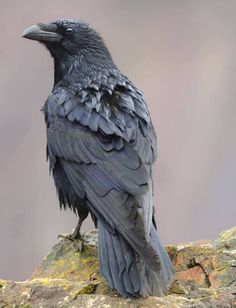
(106, 152)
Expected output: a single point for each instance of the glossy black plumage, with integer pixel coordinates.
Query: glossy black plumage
(101, 147)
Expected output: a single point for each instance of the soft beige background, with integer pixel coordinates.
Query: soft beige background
(182, 55)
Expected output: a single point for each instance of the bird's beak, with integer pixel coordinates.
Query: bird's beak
(42, 33)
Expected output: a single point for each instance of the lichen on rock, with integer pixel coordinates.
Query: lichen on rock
(69, 277)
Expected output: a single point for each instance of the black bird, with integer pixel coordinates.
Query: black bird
(101, 147)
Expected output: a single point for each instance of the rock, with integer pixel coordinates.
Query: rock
(68, 277)
(226, 240)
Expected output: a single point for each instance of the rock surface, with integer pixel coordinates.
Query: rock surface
(68, 277)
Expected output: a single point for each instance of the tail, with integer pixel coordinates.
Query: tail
(126, 272)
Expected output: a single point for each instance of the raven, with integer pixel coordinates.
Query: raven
(101, 147)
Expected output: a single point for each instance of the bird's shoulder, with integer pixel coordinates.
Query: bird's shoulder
(109, 104)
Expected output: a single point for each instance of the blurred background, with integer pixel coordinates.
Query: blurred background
(182, 55)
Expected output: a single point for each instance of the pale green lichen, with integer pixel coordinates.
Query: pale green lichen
(3, 283)
(171, 250)
(226, 239)
(86, 289)
(61, 283)
(178, 288)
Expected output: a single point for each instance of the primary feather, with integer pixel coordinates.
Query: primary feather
(101, 147)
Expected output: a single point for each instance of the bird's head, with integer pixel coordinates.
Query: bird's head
(69, 36)
(71, 41)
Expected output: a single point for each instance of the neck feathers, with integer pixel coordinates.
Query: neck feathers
(76, 69)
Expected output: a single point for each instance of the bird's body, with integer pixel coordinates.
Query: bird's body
(101, 147)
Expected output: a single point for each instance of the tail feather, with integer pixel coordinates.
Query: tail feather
(114, 264)
(103, 256)
(127, 272)
(122, 264)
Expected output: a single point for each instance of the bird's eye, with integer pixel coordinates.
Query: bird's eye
(68, 31)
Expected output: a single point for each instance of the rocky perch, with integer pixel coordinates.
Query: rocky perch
(68, 277)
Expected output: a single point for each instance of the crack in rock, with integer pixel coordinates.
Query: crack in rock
(192, 263)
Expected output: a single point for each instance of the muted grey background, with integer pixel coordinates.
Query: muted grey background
(182, 55)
